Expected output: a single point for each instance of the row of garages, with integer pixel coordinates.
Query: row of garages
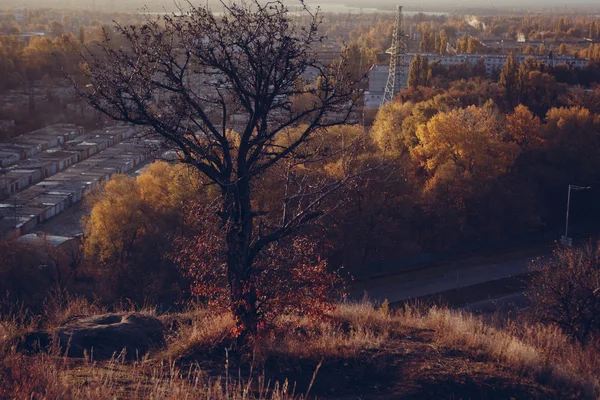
(23, 212)
(30, 144)
(52, 161)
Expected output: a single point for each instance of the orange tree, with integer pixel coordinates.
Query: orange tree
(463, 154)
(219, 89)
(290, 276)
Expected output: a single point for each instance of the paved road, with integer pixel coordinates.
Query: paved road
(396, 289)
(504, 305)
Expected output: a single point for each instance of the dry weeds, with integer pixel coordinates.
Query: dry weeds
(54, 378)
(542, 352)
(354, 334)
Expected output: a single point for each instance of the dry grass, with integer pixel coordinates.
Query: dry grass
(60, 307)
(196, 330)
(356, 334)
(349, 329)
(14, 321)
(542, 352)
(55, 378)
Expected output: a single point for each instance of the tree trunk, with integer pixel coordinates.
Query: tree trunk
(237, 215)
(243, 307)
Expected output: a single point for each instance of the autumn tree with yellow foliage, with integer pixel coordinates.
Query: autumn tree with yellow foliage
(387, 131)
(465, 141)
(127, 231)
(461, 153)
(524, 128)
(573, 145)
(395, 127)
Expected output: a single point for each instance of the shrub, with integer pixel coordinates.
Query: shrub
(565, 291)
(290, 276)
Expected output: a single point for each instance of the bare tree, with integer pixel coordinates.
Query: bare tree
(220, 89)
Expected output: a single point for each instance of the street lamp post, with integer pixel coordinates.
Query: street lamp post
(566, 240)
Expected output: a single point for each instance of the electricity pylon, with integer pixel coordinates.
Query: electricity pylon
(397, 76)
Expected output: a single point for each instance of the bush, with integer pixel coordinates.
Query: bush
(565, 291)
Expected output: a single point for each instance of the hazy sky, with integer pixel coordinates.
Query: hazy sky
(417, 5)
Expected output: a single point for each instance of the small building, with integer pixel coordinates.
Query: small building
(58, 253)
(9, 157)
(378, 76)
(35, 142)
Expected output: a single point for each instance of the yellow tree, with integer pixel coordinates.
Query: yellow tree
(573, 143)
(562, 49)
(523, 127)
(421, 113)
(387, 130)
(130, 220)
(460, 151)
(331, 153)
(509, 78)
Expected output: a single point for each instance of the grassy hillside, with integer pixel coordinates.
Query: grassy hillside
(358, 350)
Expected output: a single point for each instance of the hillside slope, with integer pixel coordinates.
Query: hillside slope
(358, 351)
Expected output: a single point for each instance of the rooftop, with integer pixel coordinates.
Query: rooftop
(43, 239)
